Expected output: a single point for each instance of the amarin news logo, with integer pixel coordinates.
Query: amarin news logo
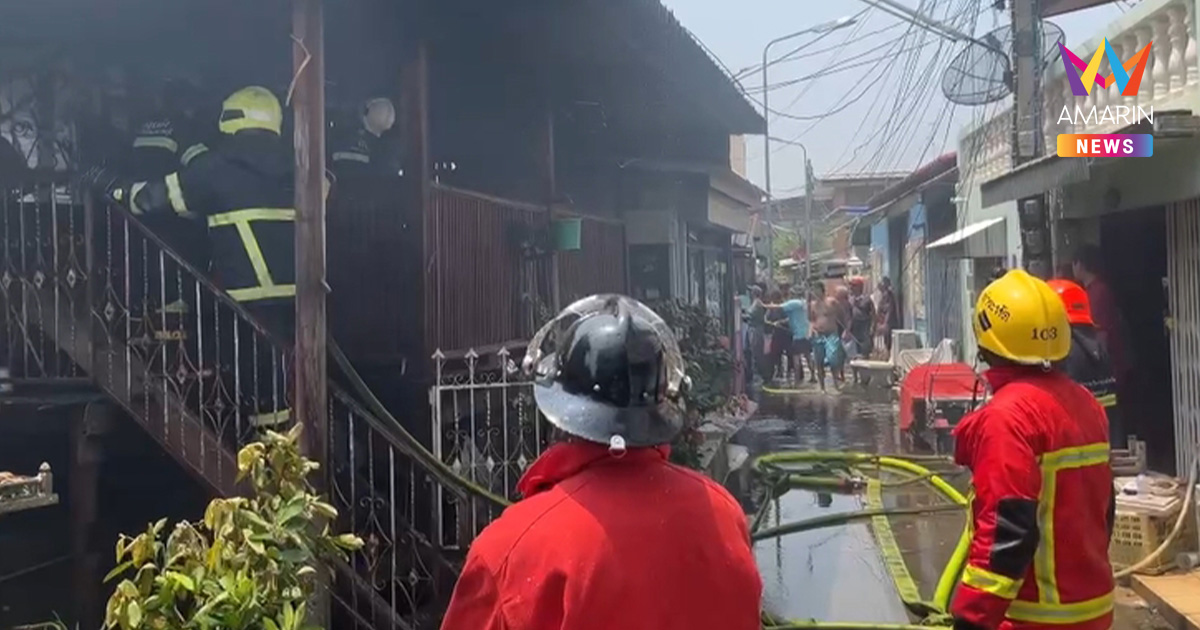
(1128, 75)
(1128, 78)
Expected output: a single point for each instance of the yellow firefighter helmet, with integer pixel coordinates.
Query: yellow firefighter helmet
(251, 107)
(1020, 318)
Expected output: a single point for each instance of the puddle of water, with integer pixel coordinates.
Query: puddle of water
(838, 573)
(832, 574)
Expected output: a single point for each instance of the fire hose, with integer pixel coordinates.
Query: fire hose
(934, 614)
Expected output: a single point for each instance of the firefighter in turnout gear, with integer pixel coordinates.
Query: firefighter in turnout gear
(1043, 504)
(1088, 363)
(166, 139)
(354, 148)
(243, 191)
(609, 533)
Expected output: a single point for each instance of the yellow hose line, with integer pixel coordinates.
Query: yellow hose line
(779, 391)
(905, 585)
(840, 625)
(953, 570)
(886, 539)
(858, 458)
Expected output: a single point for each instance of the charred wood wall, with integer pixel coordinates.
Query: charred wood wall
(483, 285)
(598, 266)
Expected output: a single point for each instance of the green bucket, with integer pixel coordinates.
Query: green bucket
(567, 234)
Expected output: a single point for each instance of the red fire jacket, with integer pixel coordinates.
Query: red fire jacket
(601, 542)
(1043, 506)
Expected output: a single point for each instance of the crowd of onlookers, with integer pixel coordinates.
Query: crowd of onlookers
(816, 329)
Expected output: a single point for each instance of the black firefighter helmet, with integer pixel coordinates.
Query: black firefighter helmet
(614, 376)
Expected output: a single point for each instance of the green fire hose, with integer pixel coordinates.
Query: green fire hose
(774, 469)
(770, 468)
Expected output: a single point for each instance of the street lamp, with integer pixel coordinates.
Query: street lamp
(766, 95)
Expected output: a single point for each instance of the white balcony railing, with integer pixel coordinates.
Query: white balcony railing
(1170, 81)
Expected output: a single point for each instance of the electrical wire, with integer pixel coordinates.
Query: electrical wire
(908, 99)
(791, 57)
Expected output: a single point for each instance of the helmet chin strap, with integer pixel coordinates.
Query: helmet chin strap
(979, 378)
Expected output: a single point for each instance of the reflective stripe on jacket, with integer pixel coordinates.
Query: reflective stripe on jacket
(1089, 365)
(1043, 506)
(243, 189)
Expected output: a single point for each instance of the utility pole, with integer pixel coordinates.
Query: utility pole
(1027, 135)
(308, 108)
(1028, 142)
(766, 96)
(810, 189)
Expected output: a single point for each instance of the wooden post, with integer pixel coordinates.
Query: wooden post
(418, 175)
(550, 183)
(309, 393)
(88, 423)
(308, 107)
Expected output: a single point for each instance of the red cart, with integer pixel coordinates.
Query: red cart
(934, 397)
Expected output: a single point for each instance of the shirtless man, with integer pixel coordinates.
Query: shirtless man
(841, 297)
(826, 340)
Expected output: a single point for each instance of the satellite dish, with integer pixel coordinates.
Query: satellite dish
(981, 74)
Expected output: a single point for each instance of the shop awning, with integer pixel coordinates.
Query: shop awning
(983, 239)
(1035, 178)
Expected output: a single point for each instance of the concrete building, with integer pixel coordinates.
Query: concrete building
(1144, 213)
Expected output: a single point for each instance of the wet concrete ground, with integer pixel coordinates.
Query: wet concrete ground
(838, 573)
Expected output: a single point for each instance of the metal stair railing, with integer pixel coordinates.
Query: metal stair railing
(89, 291)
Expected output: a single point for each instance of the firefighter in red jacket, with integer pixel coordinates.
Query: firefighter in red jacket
(1043, 491)
(609, 534)
(1089, 363)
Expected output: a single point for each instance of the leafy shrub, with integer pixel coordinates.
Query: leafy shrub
(709, 365)
(252, 562)
(709, 362)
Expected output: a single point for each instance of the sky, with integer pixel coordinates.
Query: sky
(875, 102)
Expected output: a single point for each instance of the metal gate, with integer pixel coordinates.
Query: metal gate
(1183, 273)
(487, 428)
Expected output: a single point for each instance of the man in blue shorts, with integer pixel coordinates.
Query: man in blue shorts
(796, 310)
(826, 336)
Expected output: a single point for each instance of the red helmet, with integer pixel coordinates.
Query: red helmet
(1075, 298)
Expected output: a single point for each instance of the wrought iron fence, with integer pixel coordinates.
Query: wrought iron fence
(487, 428)
(43, 282)
(88, 290)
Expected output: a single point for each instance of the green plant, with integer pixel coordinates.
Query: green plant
(251, 564)
(709, 366)
(709, 362)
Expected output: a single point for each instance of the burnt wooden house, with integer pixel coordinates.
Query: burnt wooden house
(600, 121)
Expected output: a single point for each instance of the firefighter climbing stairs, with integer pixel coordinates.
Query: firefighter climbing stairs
(84, 288)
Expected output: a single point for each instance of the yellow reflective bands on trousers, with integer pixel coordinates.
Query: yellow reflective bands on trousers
(1051, 463)
(254, 252)
(243, 220)
(263, 293)
(175, 195)
(156, 142)
(271, 419)
(191, 153)
(133, 193)
(1107, 400)
(1059, 614)
(252, 214)
(988, 582)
